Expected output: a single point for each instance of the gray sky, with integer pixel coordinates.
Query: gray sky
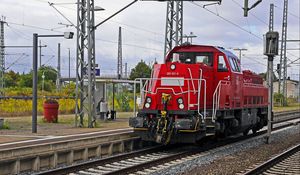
(143, 27)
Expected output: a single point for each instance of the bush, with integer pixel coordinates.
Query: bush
(5, 125)
(13, 108)
(278, 99)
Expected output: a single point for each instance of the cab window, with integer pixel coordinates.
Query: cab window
(193, 57)
(238, 65)
(234, 64)
(206, 59)
(222, 64)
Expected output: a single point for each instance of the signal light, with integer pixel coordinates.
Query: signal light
(181, 106)
(173, 67)
(148, 100)
(147, 105)
(180, 100)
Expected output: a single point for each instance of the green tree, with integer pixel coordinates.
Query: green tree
(49, 81)
(49, 72)
(25, 80)
(48, 85)
(11, 79)
(141, 70)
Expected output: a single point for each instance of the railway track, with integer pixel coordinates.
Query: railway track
(287, 163)
(153, 159)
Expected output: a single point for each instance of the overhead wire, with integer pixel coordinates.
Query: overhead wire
(229, 21)
(21, 34)
(238, 4)
(13, 63)
(292, 14)
(251, 58)
(131, 45)
(33, 26)
(120, 23)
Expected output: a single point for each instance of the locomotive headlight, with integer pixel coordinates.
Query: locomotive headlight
(147, 105)
(148, 100)
(173, 67)
(180, 100)
(181, 106)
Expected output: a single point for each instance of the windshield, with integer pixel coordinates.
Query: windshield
(193, 57)
(235, 66)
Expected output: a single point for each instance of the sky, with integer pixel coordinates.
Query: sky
(143, 31)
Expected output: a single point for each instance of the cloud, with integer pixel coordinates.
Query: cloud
(143, 29)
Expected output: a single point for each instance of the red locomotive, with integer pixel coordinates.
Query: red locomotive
(199, 91)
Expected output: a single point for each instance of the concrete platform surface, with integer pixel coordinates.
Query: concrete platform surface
(20, 141)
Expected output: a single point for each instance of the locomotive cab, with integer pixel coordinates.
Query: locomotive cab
(197, 92)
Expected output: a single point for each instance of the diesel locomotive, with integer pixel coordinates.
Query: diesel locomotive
(199, 91)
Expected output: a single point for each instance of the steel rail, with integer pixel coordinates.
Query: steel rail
(91, 163)
(283, 113)
(273, 161)
(134, 168)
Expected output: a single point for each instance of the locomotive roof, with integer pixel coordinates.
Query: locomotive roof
(203, 48)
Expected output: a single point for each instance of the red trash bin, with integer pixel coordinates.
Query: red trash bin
(51, 111)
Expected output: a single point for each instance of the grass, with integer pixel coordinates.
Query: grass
(5, 125)
(293, 106)
(13, 107)
(65, 125)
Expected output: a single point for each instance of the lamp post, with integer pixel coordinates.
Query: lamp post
(240, 52)
(69, 65)
(67, 35)
(43, 77)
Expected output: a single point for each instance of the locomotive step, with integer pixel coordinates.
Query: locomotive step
(210, 126)
(209, 134)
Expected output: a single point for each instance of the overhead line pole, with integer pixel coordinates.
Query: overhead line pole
(270, 78)
(85, 69)
(119, 65)
(2, 53)
(283, 59)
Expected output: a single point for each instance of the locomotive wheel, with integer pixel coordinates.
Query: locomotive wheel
(254, 131)
(246, 132)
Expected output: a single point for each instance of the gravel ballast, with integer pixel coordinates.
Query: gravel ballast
(234, 158)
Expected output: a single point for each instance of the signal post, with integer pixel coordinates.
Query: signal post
(270, 49)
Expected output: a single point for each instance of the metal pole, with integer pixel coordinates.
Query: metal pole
(246, 8)
(119, 68)
(270, 93)
(126, 71)
(58, 67)
(81, 68)
(240, 52)
(91, 63)
(40, 46)
(34, 83)
(113, 98)
(2, 54)
(69, 65)
(282, 66)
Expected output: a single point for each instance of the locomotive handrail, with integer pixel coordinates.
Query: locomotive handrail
(203, 117)
(192, 80)
(216, 99)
